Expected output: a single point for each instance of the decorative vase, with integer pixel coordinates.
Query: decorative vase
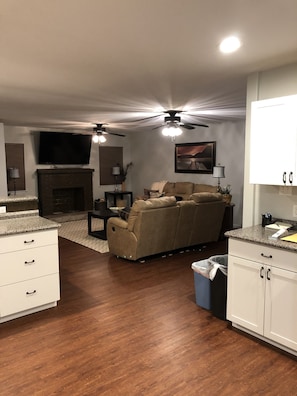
(227, 198)
(123, 186)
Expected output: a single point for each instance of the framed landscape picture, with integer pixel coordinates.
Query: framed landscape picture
(195, 157)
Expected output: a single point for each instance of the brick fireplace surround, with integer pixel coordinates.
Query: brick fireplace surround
(65, 190)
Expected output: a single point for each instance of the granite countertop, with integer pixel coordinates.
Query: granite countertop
(259, 234)
(24, 221)
(18, 198)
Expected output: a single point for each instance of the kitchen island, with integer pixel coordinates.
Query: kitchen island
(262, 286)
(29, 264)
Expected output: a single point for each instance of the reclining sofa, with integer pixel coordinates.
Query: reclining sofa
(160, 225)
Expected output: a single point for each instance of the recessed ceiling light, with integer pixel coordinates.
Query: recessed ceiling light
(230, 44)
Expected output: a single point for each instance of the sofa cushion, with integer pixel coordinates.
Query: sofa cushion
(183, 188)
(152, 203)
(169, 188)
(206, 197)
(204, 188)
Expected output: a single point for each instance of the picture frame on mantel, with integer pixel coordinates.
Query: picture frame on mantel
(195, 157)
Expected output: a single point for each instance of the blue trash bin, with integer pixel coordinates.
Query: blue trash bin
(202, 284)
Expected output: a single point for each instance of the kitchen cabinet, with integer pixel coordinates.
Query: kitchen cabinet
(262, 292)
(29, 273)
(273, 144)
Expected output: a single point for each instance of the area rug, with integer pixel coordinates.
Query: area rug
(77, 231)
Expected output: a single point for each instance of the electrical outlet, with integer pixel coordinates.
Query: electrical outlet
(294, 210)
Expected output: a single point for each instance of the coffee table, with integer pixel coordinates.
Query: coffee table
(99, 214)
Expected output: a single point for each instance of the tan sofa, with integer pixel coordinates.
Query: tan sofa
(183, 190)
(160, 225)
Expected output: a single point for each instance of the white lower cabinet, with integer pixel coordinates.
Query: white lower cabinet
(262, 292)
(29, 273)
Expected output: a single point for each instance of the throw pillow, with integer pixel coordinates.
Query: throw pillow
(151, 193)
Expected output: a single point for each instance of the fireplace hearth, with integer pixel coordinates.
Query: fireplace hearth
(65, 190)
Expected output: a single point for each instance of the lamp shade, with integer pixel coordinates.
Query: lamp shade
(116, 170)
(218, 171)
(14, 173)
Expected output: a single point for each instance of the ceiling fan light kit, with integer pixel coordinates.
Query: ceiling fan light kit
(98, 138)
(171, 130)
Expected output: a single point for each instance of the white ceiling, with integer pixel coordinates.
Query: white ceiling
(72, 63)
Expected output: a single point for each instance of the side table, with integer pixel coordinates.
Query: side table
(227, 223)
(114, 195)
(104, 215)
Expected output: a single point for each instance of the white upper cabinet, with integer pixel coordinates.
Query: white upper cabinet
(274, 141)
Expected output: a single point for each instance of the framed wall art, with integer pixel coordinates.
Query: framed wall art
(195, 157)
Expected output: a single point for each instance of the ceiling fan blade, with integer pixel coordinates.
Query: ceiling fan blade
(116, 134)
(201, 125)
(147, 118)
(159, 126)
(187, 126)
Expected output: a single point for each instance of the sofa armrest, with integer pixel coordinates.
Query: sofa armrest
(117, 221)
(121, 241)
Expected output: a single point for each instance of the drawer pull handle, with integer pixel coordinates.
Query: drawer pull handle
(30, 293)
(261, 272)
(284, 177)
(291, 177)
(32, 240)
(264, 255)
(30, 262)
(268, 273)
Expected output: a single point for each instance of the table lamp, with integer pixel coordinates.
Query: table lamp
(14, 174)
(219, 172)
(116, 171)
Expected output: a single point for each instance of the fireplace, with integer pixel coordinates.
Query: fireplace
(65, 190)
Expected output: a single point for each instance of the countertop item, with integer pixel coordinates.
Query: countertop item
(259, 234)
(24, 221)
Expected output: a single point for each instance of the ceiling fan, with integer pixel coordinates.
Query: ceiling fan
(173, 120)
(100, 129)
(99, 132)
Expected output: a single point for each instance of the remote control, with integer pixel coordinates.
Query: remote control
(278, 233)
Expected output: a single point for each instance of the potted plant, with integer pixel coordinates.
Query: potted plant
(124, 172)
(225, 191)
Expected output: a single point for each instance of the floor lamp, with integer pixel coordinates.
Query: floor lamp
(14, 174)
(219, 172)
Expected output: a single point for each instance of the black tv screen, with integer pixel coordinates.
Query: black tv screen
(62, 148)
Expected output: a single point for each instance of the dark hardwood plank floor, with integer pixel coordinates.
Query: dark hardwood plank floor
(124, 328)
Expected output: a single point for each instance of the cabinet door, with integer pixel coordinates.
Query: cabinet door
(246, 292)
(273, 141)
(280, 307)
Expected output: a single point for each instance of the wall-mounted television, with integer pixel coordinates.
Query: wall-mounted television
(63, 148)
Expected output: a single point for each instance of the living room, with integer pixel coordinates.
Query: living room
(122, 327)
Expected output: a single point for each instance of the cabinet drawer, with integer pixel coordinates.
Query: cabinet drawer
(29, 294)
(28, 240)
(27, 264)
(263, 254)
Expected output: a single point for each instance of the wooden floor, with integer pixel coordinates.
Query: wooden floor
(124, 328)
